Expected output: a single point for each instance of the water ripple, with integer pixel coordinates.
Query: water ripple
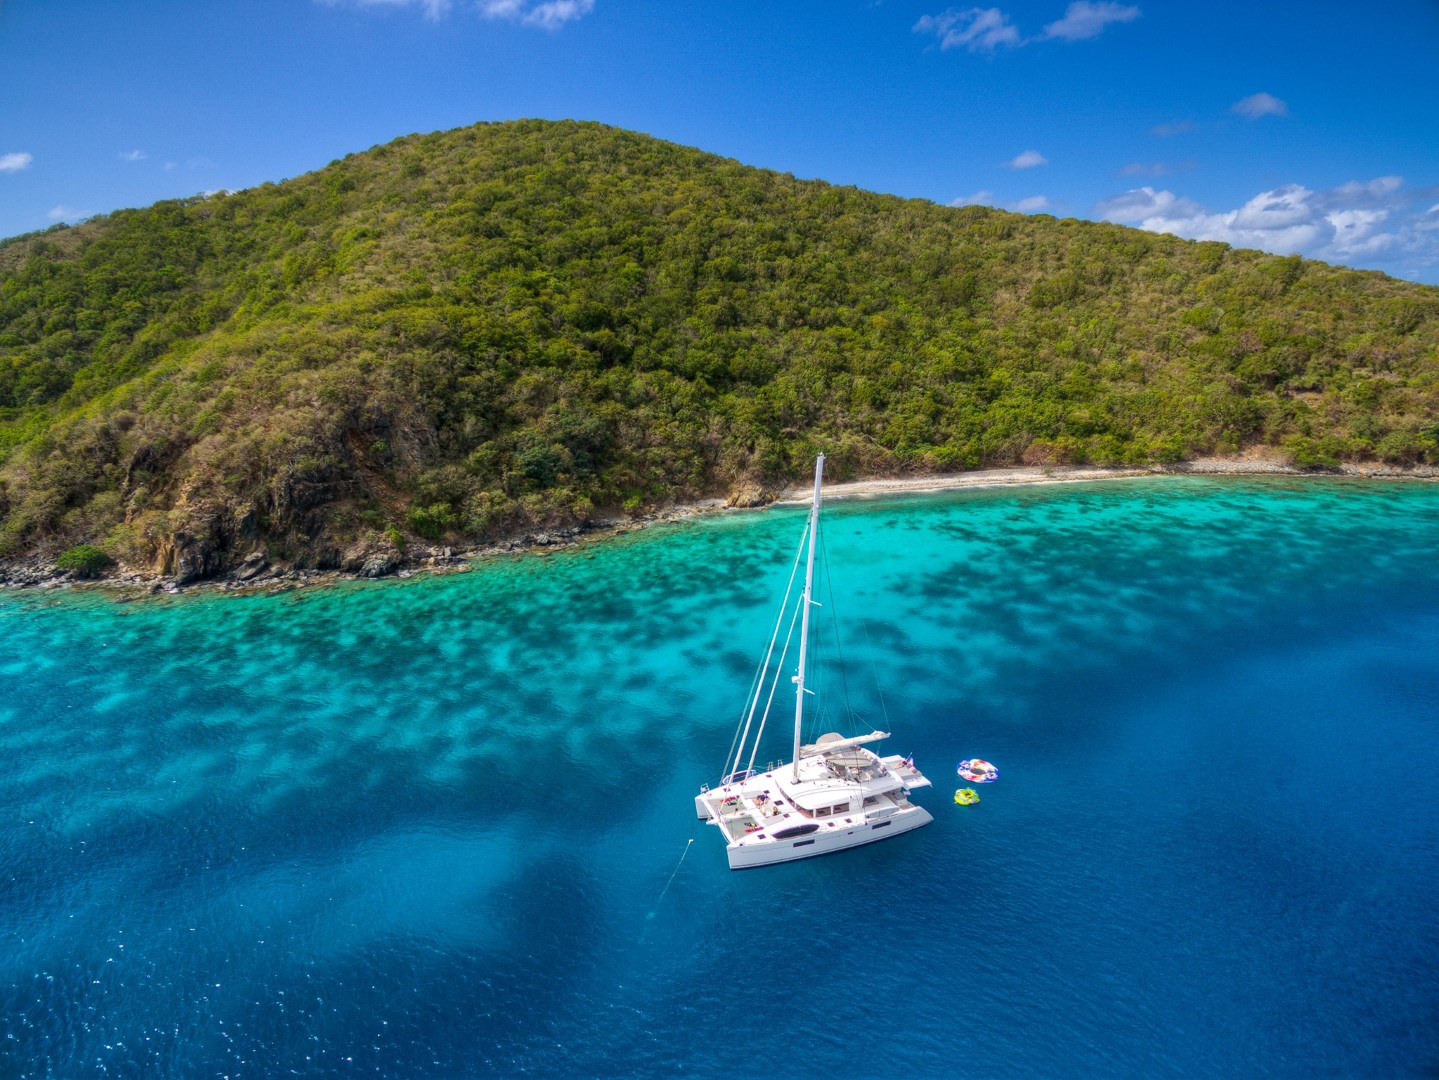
(426, 828)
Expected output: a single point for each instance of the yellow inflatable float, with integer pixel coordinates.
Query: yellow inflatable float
(966, 797)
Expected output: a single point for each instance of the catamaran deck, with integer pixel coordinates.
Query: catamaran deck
(842, 798)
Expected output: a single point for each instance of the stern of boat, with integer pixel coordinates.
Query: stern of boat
(702, 808)
(908, 775)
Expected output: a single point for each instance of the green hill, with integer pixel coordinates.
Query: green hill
(465, 334)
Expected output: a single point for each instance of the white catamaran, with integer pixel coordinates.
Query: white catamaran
(834, 794)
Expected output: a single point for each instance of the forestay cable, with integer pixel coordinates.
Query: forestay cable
(757, 684)
(778, 671)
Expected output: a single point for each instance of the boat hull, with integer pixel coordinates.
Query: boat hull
(745, 855)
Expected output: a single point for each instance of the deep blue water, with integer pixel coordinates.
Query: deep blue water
(425, 829)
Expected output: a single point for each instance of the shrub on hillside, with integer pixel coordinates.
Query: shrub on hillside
(84, 560)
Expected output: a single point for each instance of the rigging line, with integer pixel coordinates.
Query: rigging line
(834, 621)
(756, 686)
(676, 870)
(774, 685)
(874, 670)
(814, 676)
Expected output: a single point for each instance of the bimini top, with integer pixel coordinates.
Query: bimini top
(828, 779)
(832, 743)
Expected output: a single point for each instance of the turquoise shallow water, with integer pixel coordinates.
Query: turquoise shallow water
(426, 828)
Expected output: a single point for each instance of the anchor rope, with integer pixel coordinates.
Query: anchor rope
(676, 870)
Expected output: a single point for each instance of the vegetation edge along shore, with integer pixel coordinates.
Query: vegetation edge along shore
(261, 576)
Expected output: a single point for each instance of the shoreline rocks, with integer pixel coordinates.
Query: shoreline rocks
(257, 573)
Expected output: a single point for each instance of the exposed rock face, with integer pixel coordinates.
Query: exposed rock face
(368, 556)
(749, 494)
(187, 558)
(254, 565)
(33, 570)
(380, 563)
(206, 540)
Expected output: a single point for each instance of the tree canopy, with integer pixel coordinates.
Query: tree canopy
(467, 333)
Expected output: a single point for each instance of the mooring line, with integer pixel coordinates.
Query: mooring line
(676, 870)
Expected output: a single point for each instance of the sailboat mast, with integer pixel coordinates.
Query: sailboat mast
(804, 620)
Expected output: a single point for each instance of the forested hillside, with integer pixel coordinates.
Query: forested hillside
(460, 335)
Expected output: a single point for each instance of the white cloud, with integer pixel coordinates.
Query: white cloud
(555, 13)
(1282, 208)
(1146, 204)
(15, 162)
(1084, 20)
(1139, 168)
(1279, 220)
(433, 9)
(1362, 222)
(1028, 160)
(983, 198)
(1354, 232)
(67, 213)
(986, 29)
(1176, 127)
(133, 155)
(1032, 205)
(1257, 105)
(548, 15)
(975, 29)
(1377, 190)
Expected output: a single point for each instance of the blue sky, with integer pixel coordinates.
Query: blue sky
(1310, 127)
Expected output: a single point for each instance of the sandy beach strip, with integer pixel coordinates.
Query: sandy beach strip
(543, 543)
(1020, 474)
(1247, 465)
